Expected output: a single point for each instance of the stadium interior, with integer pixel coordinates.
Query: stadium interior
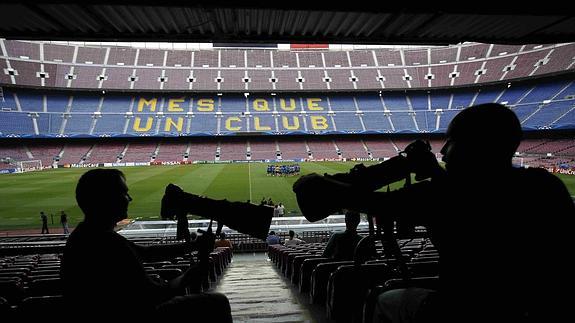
(121, 85)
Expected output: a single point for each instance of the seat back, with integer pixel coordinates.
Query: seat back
(319, 279)
(45, 287)
(348, 287)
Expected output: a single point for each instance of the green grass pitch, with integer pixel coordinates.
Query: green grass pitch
(23, 196)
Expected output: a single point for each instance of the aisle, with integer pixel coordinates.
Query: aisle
(257, 292)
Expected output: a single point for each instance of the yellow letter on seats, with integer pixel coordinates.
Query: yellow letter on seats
(286, 108)
(313, 104)
(146, 128)
(170, 122)
(205, 105)
(150, 103)
(261, 105)
(318, 122)
(229, 124)
(286, 124)
(258, 127)
(174, 105)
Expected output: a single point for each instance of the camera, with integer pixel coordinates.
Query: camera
(319, 196)
(415, 158)
(246, 218)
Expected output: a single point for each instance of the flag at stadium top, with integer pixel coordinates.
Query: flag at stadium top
(264, 45)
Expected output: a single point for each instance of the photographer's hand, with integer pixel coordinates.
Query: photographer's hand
(205, 243)
(421, 159)
(171, 200)
(197, 271)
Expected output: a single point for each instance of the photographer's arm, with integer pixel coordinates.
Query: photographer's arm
(194, 275)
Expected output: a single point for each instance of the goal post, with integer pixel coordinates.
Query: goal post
(30, 165)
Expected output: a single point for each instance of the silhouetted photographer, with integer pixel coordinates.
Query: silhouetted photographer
(501, 231)
(102, 271)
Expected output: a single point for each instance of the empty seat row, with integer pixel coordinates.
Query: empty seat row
(343, 288)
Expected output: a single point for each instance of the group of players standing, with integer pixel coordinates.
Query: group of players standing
(283, 170)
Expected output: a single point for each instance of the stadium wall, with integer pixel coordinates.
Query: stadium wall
(540, 104)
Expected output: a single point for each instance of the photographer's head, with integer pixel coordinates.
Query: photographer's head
(352, 220)
(102, 194)
(484, 137)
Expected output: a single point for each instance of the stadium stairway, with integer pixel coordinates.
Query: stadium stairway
(259, 293)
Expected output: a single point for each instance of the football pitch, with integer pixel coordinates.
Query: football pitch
(23, 196)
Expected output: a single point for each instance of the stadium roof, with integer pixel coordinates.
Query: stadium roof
(293, 21)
